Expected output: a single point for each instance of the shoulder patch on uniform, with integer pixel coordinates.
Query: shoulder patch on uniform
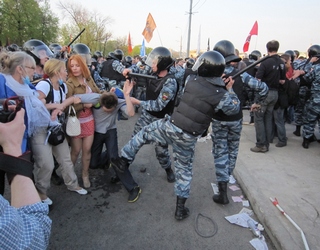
(165, 96)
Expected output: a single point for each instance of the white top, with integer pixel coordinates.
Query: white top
(44, 87)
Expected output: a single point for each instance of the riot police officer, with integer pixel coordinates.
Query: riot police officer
(41, 54)
(112, 68)
(187, 123)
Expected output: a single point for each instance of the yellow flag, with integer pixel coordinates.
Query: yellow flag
(150, 26)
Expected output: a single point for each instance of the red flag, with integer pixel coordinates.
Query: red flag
(129, 44)
(148, 30)
(254, 31)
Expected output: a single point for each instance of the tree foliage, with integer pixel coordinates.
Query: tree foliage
(95, 36)
(22, 20)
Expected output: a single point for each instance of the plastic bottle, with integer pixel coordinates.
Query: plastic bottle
(253, 228)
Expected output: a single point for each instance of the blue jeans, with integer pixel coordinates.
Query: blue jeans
(278, 115)
(99, 158)
(263, 119)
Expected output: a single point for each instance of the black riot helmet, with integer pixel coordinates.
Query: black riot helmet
(210, 64)
(55, 48)
(97, 55)
(313, 50)
(118, 53)
(83, 50)
(190, 62)
(160, 56)
(37, 49)
(13, 47)
(255, 55)
(227, 50)
(128, 59)
(291, 54)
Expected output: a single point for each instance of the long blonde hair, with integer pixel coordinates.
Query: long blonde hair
(53, 66)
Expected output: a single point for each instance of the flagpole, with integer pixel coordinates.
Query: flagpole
(159, 37)
(189, 29)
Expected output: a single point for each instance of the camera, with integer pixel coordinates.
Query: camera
(9, 107)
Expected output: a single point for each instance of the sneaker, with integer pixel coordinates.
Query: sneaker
(81, 191)
(134, 194)
(281, 144)
(114, 179)
(232, 180)
(47, 201)
(259, 149)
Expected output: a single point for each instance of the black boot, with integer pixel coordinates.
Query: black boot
(170, 175)
(222, 197)
(305, 142)
(297, 132)
(181, 211)
(120, 164)
(251, 119)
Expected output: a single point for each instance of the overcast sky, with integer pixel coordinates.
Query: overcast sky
(294, 23)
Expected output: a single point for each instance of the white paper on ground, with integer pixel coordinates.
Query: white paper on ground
(259, 243)
(245, 203)
(215, 188)
(236, 198)
(240, 219)
(234, 188)
(247, 211)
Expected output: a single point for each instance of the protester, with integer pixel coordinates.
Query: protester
(81, 82)
(106, 106)
(272, 72)
(53, 92)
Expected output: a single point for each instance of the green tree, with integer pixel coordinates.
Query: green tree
(22, 20)
(95, 35)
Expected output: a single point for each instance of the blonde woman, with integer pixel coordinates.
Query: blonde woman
(52, 91)
(81, 82)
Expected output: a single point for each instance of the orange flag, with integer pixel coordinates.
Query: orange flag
(148, 30)
(129, 44)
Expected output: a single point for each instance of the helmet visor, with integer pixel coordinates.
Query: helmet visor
(42, 51)
(197, 64)
(152, 60)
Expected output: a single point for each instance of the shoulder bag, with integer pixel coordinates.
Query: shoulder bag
(73, 124)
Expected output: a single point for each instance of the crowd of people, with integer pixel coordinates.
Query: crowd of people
(179, 99)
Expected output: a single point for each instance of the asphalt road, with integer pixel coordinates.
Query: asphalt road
(104, 219)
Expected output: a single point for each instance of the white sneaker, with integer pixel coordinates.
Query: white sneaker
(47, 201)
(81, 191)
(232, 180)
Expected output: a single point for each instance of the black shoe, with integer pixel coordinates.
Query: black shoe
(120, 164)
(305, 142)
(182, 212)
(170, 175)
(134, 194)
(297, 131)
(281, 144)
(222, 197)
(114, 179)
(56, 179)
(122, 117)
